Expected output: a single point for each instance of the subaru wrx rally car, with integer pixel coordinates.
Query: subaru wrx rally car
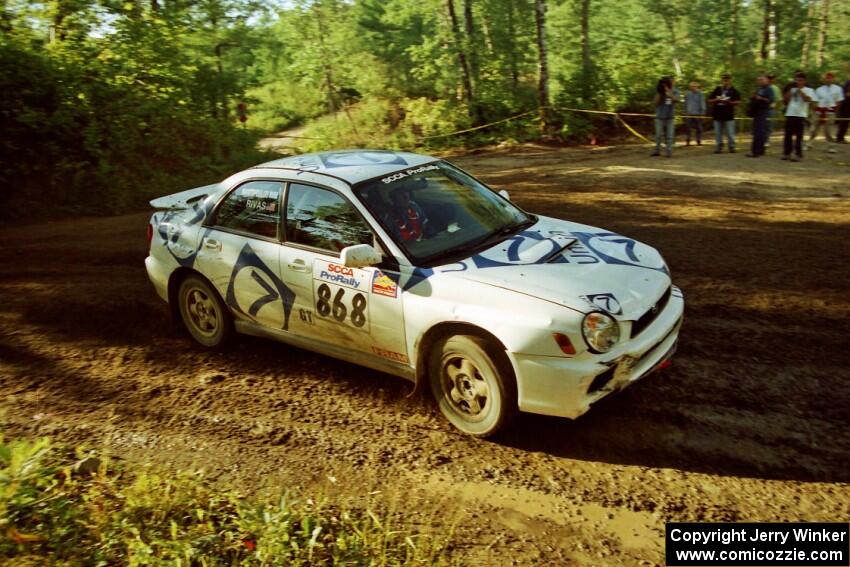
(405, 264)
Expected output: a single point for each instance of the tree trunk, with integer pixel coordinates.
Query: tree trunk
(154, 6)
(670, 21)
(543, 85)
(330, 85)
(736, 14)
(772, 33)
(585, 36)
(512, 47)
(823, 27)
(807, 36)
(765, 30)
(474, 111)
(471, 43)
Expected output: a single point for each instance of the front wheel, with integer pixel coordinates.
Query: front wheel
(473, 384)
(204, 313)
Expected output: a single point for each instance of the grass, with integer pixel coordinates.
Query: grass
(61, 507)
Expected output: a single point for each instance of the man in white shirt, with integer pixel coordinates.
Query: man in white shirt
(798, 97)
(829, 96)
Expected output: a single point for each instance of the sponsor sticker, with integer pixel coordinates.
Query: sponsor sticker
(390, 355)
(382, 284)
(403, 174)
(604, 301)
(341, 275)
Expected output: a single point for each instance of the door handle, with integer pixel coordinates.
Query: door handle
(297, 265)
(212, 244)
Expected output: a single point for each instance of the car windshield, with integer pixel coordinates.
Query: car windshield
(436, 212)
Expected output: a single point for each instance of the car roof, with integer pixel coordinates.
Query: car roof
(352, 166)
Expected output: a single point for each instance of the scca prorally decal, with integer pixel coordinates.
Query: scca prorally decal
(604, 301)
(274, 287)
(402, 174)
(349, 159)
(184, 255)
(339, 274)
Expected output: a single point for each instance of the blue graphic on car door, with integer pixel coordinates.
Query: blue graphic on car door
(276, 293)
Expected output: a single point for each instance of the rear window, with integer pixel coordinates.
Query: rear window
(253, 207)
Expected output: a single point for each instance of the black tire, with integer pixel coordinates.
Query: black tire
(473, 384)
(203, 313)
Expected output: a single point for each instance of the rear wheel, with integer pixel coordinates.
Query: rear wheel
(473, 384)
(204, 313)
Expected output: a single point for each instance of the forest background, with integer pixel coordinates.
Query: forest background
(106, 103)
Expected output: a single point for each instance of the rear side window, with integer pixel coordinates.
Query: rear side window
(323, 219)
(253, 208)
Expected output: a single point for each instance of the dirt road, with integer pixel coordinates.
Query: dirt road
(750, 423)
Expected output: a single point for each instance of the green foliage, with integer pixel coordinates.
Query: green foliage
(55, 511)
(104, 123)
(105, 104)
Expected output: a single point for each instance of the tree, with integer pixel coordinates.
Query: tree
(543, 67)
(459, 46)
(823, 28)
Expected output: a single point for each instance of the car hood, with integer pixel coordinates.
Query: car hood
(574, 265)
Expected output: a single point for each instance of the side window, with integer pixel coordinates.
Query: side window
(322, 219)
(252, 207)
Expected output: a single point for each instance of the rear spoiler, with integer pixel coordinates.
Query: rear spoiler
(184, 199)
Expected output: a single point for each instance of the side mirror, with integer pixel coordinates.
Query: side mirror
(505, 194)
(359, 256)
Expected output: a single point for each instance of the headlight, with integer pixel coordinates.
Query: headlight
(600, 331)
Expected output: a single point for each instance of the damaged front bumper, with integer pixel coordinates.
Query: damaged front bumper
(568, 387)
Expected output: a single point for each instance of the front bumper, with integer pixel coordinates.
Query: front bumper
(567, 387)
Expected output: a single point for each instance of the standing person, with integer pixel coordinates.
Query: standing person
(797, 100)
(666, 96)
(695, 106)
(723, 101)
(775, 107)
(828, 95)
(844, 115)
(760, 102)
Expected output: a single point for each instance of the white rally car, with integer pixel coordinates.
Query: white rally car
(405, 264)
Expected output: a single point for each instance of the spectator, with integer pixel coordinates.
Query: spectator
(723, 99)
(666, 96)
(829, 96)
(695, 106)
(844, 115)
(797, 100)
(774, 107)
(760, 102)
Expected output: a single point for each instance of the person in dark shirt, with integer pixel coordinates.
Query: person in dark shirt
(406, 219)
(760, 102)
(723, 101)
